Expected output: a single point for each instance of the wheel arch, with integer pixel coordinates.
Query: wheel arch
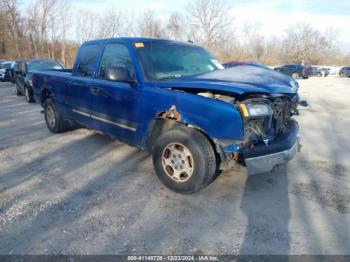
(44, 94)
(159, 125)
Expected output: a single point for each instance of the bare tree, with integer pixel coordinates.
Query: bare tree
(175, 27)
(304, 44)
(12, 23)
(112, 23)
(64, 19)
(254, 41)
(150, 26)
(86, 26)
(210, 21)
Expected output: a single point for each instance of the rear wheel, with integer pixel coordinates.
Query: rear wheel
(17, 91)
(184, 160)
(28, 94)
(54, 121)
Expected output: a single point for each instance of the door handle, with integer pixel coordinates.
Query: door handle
(94, 90)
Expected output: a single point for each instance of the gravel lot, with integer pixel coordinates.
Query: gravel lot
(83, 193)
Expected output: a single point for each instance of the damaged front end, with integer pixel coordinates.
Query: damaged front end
(271, 135)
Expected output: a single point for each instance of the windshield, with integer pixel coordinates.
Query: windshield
(162, 61)
(5, 66)
(43, 65)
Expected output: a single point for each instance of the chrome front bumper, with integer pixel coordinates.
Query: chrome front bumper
(266, 163)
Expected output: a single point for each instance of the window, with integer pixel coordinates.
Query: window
(86, 61)
(163, 61)
(43, 65)
(115, 55)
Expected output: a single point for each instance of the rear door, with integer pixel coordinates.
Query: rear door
(115, 105)
(79, 94)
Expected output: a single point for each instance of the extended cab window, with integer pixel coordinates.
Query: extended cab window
(115, 55)
(86, 61)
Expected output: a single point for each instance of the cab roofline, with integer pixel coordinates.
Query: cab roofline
(132, 40)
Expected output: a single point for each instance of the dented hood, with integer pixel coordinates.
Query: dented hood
(238, 80)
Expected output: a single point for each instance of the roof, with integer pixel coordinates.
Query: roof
(132, 40)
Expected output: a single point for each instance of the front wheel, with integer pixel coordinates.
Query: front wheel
(184, 160)
(54, 121)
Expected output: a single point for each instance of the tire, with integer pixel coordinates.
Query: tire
(194, 155)
(54, 121)
(28, 93)
(342, 75)
(18, 93)
(295, 75)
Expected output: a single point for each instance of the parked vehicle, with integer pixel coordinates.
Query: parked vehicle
(175, 100)
(12, 72)
(345, 71)
(295, 71)
(241, 63)
(318, 71)
(5, 71)
(23, 72)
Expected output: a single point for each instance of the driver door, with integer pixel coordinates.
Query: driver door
(115, 108)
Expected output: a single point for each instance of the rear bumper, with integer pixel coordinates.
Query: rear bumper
(265, 157)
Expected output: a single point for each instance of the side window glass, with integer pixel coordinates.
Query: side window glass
(115, 55)
(86, 62)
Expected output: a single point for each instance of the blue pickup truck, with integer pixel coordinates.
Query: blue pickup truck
(176, 100)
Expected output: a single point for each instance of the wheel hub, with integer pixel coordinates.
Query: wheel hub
(50, 115)
(177, 162)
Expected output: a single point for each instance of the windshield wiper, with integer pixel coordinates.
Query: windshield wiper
(168, 77)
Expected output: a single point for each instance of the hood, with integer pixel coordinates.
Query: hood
(238, 80)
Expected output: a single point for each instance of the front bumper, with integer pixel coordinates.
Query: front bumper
(265, 157)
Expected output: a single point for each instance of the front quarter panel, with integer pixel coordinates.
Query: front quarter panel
(219, 120)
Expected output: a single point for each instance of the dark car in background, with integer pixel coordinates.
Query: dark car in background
(318, 71)
(345, 71)
(5, 71)
(23, 72)
(241, 63)
(12, 72)
(295, 71)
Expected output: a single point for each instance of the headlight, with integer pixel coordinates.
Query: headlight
(255, 110)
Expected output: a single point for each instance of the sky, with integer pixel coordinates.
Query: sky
(273, 16)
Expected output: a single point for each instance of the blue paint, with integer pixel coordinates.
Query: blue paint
(133, 106)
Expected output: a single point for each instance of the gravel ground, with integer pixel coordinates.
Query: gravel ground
(83, 193)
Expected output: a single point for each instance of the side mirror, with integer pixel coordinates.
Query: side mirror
(119, 74)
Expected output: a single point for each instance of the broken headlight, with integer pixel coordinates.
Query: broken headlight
(255, 110)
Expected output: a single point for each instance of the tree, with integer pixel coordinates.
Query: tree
(12, 24)
(86, 26)
(150, 26)
(111, 23)
(254, 41)
(303, 44)
(175, 27)
(210, 22)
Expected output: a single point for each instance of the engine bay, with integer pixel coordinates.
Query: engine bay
(264, 128)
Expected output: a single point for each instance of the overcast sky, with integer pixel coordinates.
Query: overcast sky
(274, 16)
